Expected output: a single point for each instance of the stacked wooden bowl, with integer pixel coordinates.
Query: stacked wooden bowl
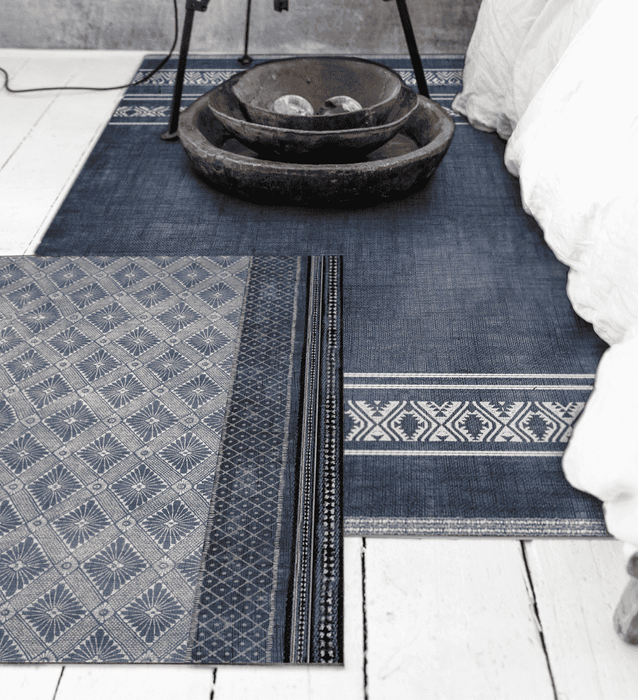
(359, 133)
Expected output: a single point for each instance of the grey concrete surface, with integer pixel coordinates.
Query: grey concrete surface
(310, 26)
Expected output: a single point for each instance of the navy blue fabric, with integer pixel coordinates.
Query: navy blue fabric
(153, 418)
(251, 568)
(453, 279)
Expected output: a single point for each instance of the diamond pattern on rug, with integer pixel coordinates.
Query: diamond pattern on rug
(109, 370)
(48, 390)
(69, 341)
(23, 453)
(41, 318)
(114, 566)
(186, 453)
(54, 486)
(122, 391)
(153, 613)
(24, 296)
(138, 341)
(26, 365)
(67, 275)
(54, 613)
(235, 586)
(103, 453)
(20, 565)
(88, 295)
(138, 486)
(78, 526)
(178, 317)
(71, 421)
(171, 524)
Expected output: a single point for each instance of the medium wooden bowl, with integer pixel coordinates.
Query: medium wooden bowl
(296, 145)
(398, 168)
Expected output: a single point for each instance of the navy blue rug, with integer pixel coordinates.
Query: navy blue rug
(465, 365)
(170, 486)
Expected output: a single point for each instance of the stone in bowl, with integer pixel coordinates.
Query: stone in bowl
(336, 146)
(372, 85)
(398, 168)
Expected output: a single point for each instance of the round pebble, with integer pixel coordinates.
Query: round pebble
(340, 104)
(293, 105)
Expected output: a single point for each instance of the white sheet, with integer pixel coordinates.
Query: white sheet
(499, 33)
(570, 97)
(515, 45)
(576, 152)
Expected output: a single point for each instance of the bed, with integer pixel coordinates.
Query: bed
(554, 78)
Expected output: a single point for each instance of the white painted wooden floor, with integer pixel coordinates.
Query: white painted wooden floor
(425, 618)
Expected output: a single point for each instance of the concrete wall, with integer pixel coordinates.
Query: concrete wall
(326, 26)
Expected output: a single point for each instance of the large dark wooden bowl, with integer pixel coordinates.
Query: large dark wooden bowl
(372, 85)
(399, 167)
(342, 145)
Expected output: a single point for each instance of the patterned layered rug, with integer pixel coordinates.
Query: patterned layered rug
(169, 460)
(465, 365)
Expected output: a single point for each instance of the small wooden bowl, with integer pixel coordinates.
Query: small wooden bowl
(296, 145)
(373, 86)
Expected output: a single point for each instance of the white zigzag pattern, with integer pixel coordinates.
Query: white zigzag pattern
(216, 77)
(191, 77)
(433, 77)
(141, 111)
(461, 421)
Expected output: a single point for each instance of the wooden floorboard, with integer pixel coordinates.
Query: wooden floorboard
(156, 682)
(451, 620)
(316, 683)
(29, 682)
(577, 584)
(18, 117)
(53, 145)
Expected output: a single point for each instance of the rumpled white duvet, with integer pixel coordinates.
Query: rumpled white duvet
(559, 79)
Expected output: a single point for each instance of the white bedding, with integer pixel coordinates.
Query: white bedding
(563, 86)
(515, 45)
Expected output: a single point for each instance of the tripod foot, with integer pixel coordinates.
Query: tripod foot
(169, 135)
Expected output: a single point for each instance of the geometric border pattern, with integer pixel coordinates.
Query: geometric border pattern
(474, 527)
(246, 613)
(211, 78)
(445, 420)
(423, 422)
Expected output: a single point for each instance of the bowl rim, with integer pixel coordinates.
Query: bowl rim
(189, 132)
(281, 131)
(351, 59)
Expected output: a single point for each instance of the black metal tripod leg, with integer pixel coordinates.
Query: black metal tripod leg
(191, 5)
(246, 60)
(171, 133)
(412, 48)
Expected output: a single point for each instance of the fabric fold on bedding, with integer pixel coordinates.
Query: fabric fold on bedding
(574, 152)
(564, 100)
(514, 48)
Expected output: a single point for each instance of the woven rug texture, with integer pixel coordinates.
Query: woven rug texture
(464, 363)
(169, 491)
